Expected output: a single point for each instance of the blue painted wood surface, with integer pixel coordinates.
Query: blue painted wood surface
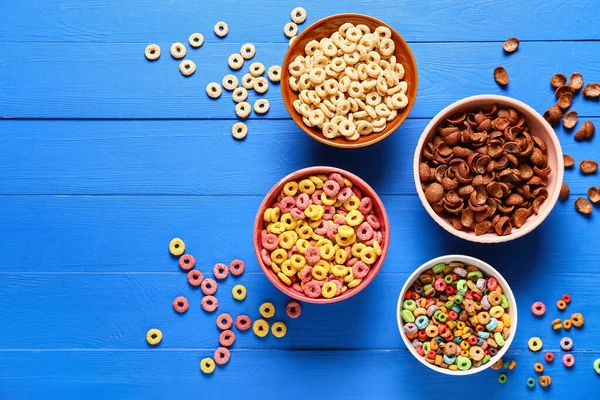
(106, 156)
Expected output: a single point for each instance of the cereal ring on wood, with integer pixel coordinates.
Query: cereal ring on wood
(247, 81)
(230, 82)
(221, 29)
(178, 50)
(239, 94)
(152, 52)
(549, 357)
(210, 303)
(290, 29)
(257, 69)
(239, 292)
(235, 61)
(180, 304)
(196, 40)
(176, 247)
(577, 320)
(236, 267)
(248, 51)
(239, 130)
(566, 344)
(538, 308)
(213, 90)
(227, 338)
(535, 344)
(274, 73)
(261, 106)
(153, 336)
(298, 15)
(293, 309)
(501, 76)
(187, 67)
(220, 271)
(224, 321)
(187, 262)
(207, 365)
(195, 277)
(267, 310)
(260, 85)
(243, 322)
(209, 286)
(222, 355)
(260, 327)
(279, 329)
(568, 360)
(243, 109)
(511, 45)
(570, 119)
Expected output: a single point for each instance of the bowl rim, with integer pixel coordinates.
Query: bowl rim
(383, 219)
(505, 101)
(395, 123)
(492, 272)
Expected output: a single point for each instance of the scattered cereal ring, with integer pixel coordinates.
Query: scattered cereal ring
(209, 286)
(530, 382)
(257, 69)
(247, 51)
(221, 29)
(293, 309)
(566, 298)
(152, 52)
(236, 267)
(153, 336)
(549, 357)
(230, 82)
(260, 328)
(556, 324)
(210, 303)
(538, 367)
(235, 61)
(243, 322)
(196, 40)
(561, 305)
(535, 344)
(298, 15)
(222, 355)
(178, 50)
(545, 381)
(497, 365)
(187, 67)
(566, 344)
(220, 271)
(187, 262)
(239, 292)
(261, 85)
(568, 360)
(239, 130)
(597, 366)
(567, 324)
(247, 81)
(279, 329)
(239, 94)
(213, 90)
(577, 320)
(261, 106)
(267, 310)
(274, 73)
(290, 29)
(180, 304)
(195, 277)
(207, 365)
(227, 338)
(243, 109)
(224, 321)
(502, 378)
(538, 308)
(176, 247)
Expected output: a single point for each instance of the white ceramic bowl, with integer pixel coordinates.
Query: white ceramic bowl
(538, 126)
(487, 270)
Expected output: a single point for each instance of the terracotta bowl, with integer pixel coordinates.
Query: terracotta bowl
(324, 28)
(487, 270)
(539, 127)
(271, 198)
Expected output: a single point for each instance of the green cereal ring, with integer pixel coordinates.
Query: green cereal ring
(502, 378)
(427, 287)
(458, 299)
(530, 382)
(486, 359)
(499, 339)
(426, 347)
(409, 305)
(504, 303)
(597, 366)
(437, 268)
(448, 279)
(461, 286)
(474, 275)
(449, 304)
(463, 363)
(407, 316)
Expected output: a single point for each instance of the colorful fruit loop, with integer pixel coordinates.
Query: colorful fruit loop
(456, 317)
(322, 236)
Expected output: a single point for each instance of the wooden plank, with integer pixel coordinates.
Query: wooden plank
(438, 20)
(369, 375)
(113, 80)
(201, 157)
(107, 234)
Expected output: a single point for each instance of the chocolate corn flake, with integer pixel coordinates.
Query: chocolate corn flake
(511, 45)
(592, 90)
(570, 119)
(568, 161)
(565, 100)
(501, 76)
(558, 80)
(553, 115)
(562, 90)
(565, 192)
(588, 166)
(594, 194)
(576, 81)
(583, 206)
(586, 132)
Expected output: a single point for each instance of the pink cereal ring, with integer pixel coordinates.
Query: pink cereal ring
(338, 178)
(224, 321)
(357, 192)
(269, 241)
(322, 228)
(492, 284)
(568, 360)
(316, 197)
(366, 205)
(243, 322)
(226, 338)
(350, 263)
(297, 213)
(312, 289)
(264, 255)
(292, 251)
(364, 231)
(344, 194)
(236, 267)
(220, 271)
(360, 270)
(297, 287)
(332, 231)
(337, 282)
(331, 188)
(329, 212)
(187, 262)
(373, 221)
(303, 201)
(195, 277)
(287, 203)
(210, 303)
(209, 286)
(342, 211)
(180, 304)
(378, 236)
(293, 309)
(222, 355)
(538, 308)
(306, 274)
(312, 255)
(348, 250)
(340, 221)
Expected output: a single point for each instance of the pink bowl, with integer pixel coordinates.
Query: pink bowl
(538, 126)
(271, 198)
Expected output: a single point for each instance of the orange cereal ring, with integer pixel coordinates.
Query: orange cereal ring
(226, 338)
(243, 322)
(180, 304)
(224, 321)
(195, 277)
(187, 262)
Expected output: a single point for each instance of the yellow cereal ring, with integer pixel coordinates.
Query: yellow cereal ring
(287, 269)
(344, 288)
(352, 203)
(346, 231)
(325, 264)
(315, 238)
(276, 228)
(275, 268)
(302, 244)
(176, 247)
(336, 216)
(368, 255)
(267, 310)
(357, 248)
(154, 336)
(327, 251)
(497, 312)
(354, 218)
(328, 200)
(239, 292)
(314, 224)
(329, 290)
(377, 247)
(260, 327)
(267, 215)
(323, 241)
(287, 239)
(305, 232)
(298, 261)
(354, 283)
(284, 279)
(275, 213)
(290, 188)
(319, 211)
(319, 273)
(288, 221)
(340, 256)
(207, 365)
(279, 256)
(349, 276)
(279, 329)
(348, 182)
(318, 182)
(345, 241)
(338, 204)
(535, 344)
(307, 186)
(339, 270)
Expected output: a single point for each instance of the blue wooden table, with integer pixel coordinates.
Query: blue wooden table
(105, 157)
